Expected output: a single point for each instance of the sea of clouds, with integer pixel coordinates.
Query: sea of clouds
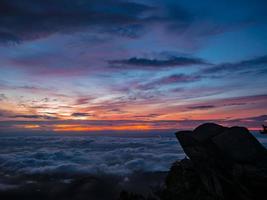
(50, 154)
(86, 154)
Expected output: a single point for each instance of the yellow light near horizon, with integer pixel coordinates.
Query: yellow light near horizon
(28, 126)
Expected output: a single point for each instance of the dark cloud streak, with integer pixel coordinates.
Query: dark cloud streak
(204, 107)
(157, 63)
(79, 114)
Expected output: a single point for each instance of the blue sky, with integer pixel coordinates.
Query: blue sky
(64, 63)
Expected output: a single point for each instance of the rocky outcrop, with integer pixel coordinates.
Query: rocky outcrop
(224, 163)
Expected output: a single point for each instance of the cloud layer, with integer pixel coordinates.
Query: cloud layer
(52, 154)
(87, 154)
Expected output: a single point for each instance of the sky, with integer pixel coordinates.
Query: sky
(132, 65)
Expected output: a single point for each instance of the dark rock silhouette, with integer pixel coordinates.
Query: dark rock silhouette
(225, 163)
(124, 195)
(264, 129)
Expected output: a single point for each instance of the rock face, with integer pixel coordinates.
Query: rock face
(224, 163)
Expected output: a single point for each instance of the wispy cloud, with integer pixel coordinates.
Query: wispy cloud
(172, 79)
(250, 65)
(83, 100)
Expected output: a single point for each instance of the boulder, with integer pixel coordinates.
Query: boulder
(238, 144)
(207, 131)
(224, 163)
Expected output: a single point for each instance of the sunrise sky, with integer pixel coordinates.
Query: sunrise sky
(127, 65)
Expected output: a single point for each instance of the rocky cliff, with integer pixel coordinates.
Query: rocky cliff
(223, 163)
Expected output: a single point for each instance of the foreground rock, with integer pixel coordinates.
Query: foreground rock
(225, 163)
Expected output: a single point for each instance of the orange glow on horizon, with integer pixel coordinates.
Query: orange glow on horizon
(124, 127)
(32, 126)
(82, 128)
(28, 126)
(77, 127)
